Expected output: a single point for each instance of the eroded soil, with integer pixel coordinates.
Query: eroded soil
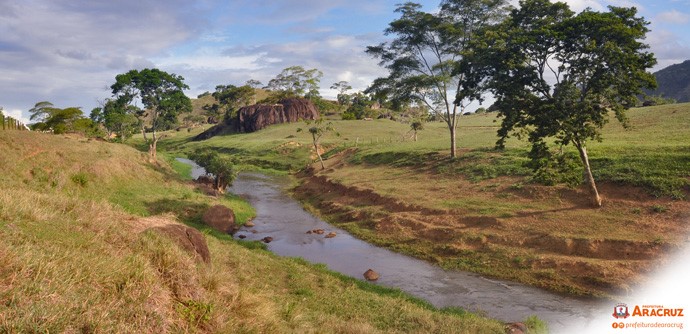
(545, 236)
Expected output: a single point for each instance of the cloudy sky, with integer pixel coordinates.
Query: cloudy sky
(69, 51)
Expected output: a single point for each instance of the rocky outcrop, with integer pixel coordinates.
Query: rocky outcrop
(220, 218)
(188, 238)
(258, 116)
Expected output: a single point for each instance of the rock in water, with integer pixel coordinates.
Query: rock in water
(220, 218)
(371, 275)
(267, 239)
(249, 223)
(330, 235)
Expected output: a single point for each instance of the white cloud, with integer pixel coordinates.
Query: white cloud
(17, 114)
(673, 17)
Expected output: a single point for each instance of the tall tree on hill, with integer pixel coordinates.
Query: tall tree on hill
(160, 93)
(342, 87)
(425, 59)
(558, 75)
(230, 98)
(297, 81)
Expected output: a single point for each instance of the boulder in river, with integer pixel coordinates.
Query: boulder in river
(330, 235)
(249, 223)
(267, 239)
(371, 275)
(220, 218)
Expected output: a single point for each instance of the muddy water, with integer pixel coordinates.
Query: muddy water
(281, 217)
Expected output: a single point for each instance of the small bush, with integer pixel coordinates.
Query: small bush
(656, 208)
(80, 179)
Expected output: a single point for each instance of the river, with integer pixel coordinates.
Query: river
(283, 218)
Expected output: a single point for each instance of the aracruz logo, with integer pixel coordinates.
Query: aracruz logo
(620, 311)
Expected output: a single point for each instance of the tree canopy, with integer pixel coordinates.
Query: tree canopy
(160, 93)
(296, 80)
(559, 75)
(425, 58)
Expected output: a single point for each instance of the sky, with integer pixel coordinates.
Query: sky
(68, 52)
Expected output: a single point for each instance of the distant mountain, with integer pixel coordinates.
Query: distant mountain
(674, 82)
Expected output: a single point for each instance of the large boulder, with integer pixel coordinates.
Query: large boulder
(220, 218)
(258, 116)
(190, 239)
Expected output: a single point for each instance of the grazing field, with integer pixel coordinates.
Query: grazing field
(484, 211)
(79, 252)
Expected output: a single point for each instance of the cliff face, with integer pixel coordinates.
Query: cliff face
(258, 116)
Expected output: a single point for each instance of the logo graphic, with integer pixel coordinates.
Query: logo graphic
(621, 311)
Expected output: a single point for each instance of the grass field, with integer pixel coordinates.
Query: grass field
(76, 256)
(483, 211)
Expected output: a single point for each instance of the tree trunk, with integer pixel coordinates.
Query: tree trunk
(316, 147)
(589, 178)
(152, 145)
(415, 136)
(453, 148)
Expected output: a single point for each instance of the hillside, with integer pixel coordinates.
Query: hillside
(483, 212)
(79, 252)
(674, 82)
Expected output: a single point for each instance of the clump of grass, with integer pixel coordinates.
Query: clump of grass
(657, 208)
(536, 325)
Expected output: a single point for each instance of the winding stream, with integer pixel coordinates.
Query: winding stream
(283, 218)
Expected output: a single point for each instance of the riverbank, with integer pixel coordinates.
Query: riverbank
(482, 212)
(547, 237)
(80, 252)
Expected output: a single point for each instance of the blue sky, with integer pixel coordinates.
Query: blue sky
(69, 51)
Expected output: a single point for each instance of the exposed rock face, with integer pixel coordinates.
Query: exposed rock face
(220, 218)
(188, 238)
(258, 116)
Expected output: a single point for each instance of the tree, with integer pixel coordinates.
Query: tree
(56, 119)
(415, 126)
(342, 87)
(253, 83)
(221, 167)
(297, 81)
(425, 59)
(117, 117)
(558, 75)
(318, 130)
(230, 98)
(161, 95)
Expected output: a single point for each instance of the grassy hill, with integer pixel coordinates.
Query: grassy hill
(483, 212)
(674, 82)
(76, 255)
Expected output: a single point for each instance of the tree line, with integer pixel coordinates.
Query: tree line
(556, 76)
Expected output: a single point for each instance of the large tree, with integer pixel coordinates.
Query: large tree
(230, 98)
(297, 81)
(57, 120)
(160, 93)
(559, 75)
(425, 58)
(117, 117)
